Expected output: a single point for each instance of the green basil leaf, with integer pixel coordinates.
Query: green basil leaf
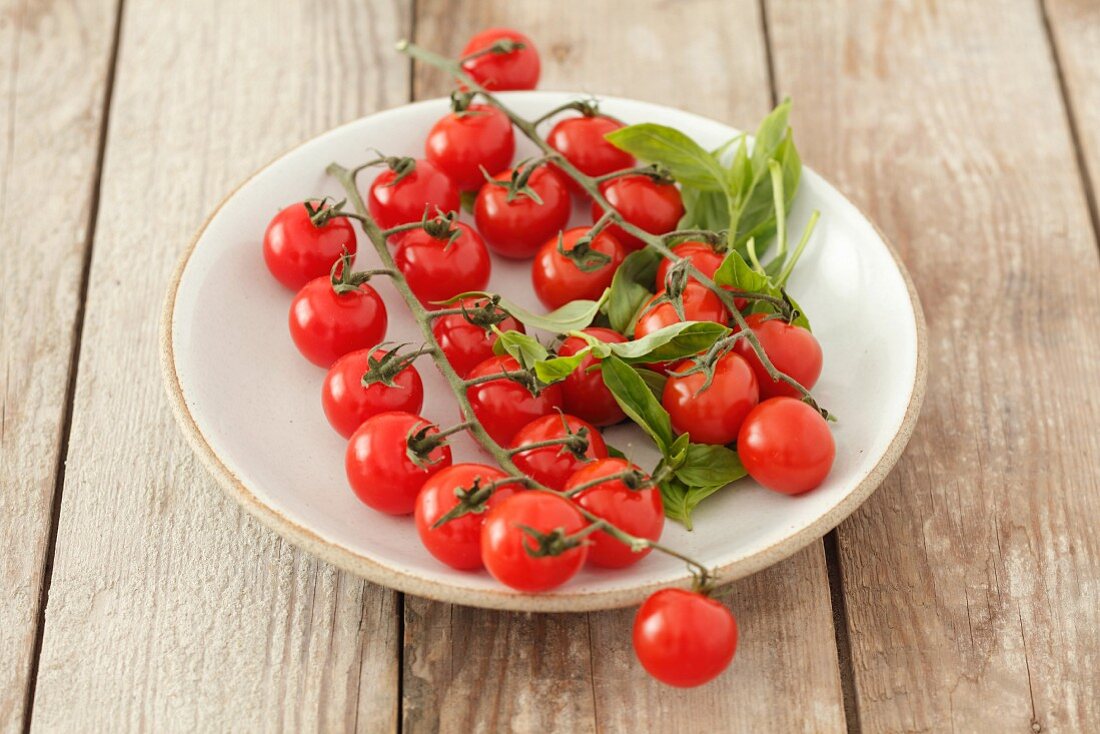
(615, 453)
(710, 466)
(654, 380)
(675, 341)
(704, 210)
(678, 451)
(572, 316)
(800, 320)
(688, 163)
(681, 500)
(757, 218)
(738, 274)
(558, 368)
(636, 400)
(630, 288)
(770, 134)
(526, 349)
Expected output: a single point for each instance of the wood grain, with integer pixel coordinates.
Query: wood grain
(972, 577)
(475, 670)
(54, 61)
(170, 609)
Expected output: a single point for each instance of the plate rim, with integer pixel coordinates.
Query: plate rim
(506, 599)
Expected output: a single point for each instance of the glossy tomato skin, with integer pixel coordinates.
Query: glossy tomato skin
(553, 465)
(699, 305)
(516, 229)
(504, 543)
(651, 205)
(713, 415)
(793, 350)
(467, 345)
(558, 280)
(426, 187)
(379, 469)
(581, 141)
(705, 259)
(638, 512)
(347, 402)
(462, 143)
(786, 446)
(296, 251)
(437, 269)
(683, 638)
(457, 542)
(500, 72)
(504, 406)
(326, 325)
(584, 392)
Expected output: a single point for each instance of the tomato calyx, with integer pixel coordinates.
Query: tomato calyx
(424, 438)
(385, 369)
(485, 316)
(633, 479)
(555, 542)
(345, 280)
(587, 258)
(525, 378)
(322, 211)
(402, 166)
(706, 362)
(575, 442)
(587, 107)
(517, 185)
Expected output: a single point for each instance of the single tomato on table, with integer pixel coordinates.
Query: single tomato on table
(570, 267)
(786, 446)
(683, 638)
(465, 141)
(407, 189)
(437, 267)
(296, 250)
(793, 350)
(347, 402)
(649, 204)
(515, 69)
(553, 465)
(711, 413)
(503, 405)
(465, 340)
(506, 545)
(584, 392)
(380, 469)
(638, 511)
(517, 212)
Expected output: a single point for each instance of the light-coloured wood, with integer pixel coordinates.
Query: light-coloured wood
(474, 670)
(54, 61)
(170, 609)
(972, 577)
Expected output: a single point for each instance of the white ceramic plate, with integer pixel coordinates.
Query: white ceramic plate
(250, 405)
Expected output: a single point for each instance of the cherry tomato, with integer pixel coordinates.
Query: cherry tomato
(466, 344)
(378, 465)
(347, 402)
(585, 394)
(326, 325)
(638, 512)
(683, 638)
(462, 143)
(504, 406)
(699, 305)
(793, 350)
(713, 414)
(438, 269)
(705, 259)
(457, 542)
(786, 445)
(559, 280)
(517, 228)
(297, 251)
(517, 69)
(553, 465)
(505, 544)
(393, 202)
(654, 206)
(581, 141)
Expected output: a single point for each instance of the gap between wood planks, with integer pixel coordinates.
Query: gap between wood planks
(70, 387)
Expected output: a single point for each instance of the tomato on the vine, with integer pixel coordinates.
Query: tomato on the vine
(581, 140)
(505, 543)
(517, 69)
(326, 325)
(378, 463)
(683, 638)
(463, 143)
(703, 257)
(347, 402)
(561, 273)
(296, 250)
(457, 542)
(553, 465)
(654, 206)
(638, 512)
(503, 406)
(793, 350)
(711, 413)
(403, 192)
(467, 344)
(700, 304)
(585, 394)
(515, 223)
(786, 445)
(438, 268)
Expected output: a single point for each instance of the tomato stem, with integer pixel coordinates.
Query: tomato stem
(632, 478)
(576, 443)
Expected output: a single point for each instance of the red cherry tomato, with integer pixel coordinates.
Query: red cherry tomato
(348, 402)
(457, 542)
(654, 206)
(714, 414)
(297, 251)
(462, 143)
(552, 466)
(705, 259)
(378, 465)
(466, 344)
(581, 141)
(326, 325)
(793, 350)
(517, 228)
(683, 638)
(559, 280)
(504, 406)
(438, 269)
(699, 305)
(393, 202)
(638, 512)
(505, 544)
(786, 445)
(517, 69)
(585, 394)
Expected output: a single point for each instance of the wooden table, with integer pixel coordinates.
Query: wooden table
(965, 594)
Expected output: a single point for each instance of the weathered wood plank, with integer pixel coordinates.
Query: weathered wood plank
(474, 670)
(170, 609)
(972, 577)
(54, 62)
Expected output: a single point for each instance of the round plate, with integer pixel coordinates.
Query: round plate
(250, 404)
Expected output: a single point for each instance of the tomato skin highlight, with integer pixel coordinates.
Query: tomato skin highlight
(651, 205)
(425, 188)
(581, 141)
(699, 305)
(438, 271)
(348, 403)
(552, 466)
(584, 393)
(326, 325)
(786, 446)
(713, 415)
(558, 280)
(378, 467)
(504, 406)
(500, 72)
(504, 543)
(683, 638)
(467, 345)
(296, 251)
(462, 143)
(457, 542)
(638, 512)
(793, 350)
(516, 229)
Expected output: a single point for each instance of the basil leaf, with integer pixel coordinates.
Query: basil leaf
(770, 134)
(688, 163)
(681, 500)
(710, 466)
(526, 349)
(630, 288)
(704, 210)
(636, 400)
(800, 320)
(558, 368)
(572, 316)
(737, 273)
(678, 451)
(654, 380)
(757, 209)
(675, 341)
(615, 453)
